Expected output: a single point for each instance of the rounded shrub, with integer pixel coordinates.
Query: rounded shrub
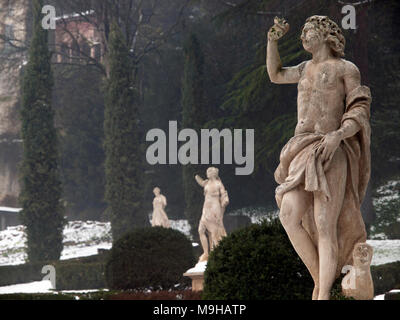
(149, 257)
(256, 263)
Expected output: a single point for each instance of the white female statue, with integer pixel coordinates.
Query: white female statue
(211, 226)
(159, 216)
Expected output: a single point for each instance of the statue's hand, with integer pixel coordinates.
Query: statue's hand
(199, 180)
(278, 30)
(329, 143)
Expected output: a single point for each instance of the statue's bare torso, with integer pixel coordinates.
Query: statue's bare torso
(321, 94)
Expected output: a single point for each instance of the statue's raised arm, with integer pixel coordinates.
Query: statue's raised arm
(200, 181)
(276, 72)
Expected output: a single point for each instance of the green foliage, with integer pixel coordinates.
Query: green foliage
(149, 257)
(386, 277)
(387, 208)
(72, 274)
(79, 108)
(81, 273)
(36, 296)
(40, 195)
(392, 296)
(123, 167)
(161, 76)
(387, 219)
(194, 113)
(21, 273)
(256, 263)
(383, 69)
(336, 291)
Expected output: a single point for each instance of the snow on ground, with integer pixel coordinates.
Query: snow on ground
(31, 287)
(182, 226)
(81, 238)
(43, 286)
(84, 238)
(385, 251)
(387, 192)
(256, 214)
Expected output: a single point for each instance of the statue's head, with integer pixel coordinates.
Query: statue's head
(362, 254)
(212, 172)
(156, 191)
(319, 30)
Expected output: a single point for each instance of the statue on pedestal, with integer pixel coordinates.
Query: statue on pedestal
(211, 226)
(324, 169)
(160, 218)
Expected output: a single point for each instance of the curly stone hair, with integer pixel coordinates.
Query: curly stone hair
(331, 32)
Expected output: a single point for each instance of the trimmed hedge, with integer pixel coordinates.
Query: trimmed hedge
(21, 273)
(73, 274)
(79, 276)
(256, 263)
(149, 257)
(386, 277)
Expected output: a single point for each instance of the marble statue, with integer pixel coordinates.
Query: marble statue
(160, 218)
(211, 226)
(325, 167)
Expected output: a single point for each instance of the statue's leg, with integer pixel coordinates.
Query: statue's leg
(326, 215)
(204, 241)
(210, 240)
(295, 204)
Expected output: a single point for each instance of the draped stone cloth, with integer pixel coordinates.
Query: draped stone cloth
(299, 165)
(160, 218)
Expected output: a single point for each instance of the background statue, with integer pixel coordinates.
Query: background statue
(211, 226)
(324, 169)
(160, 218)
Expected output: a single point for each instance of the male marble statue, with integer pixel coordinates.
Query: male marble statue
(160, 218)
(324, 169)
(211, 226)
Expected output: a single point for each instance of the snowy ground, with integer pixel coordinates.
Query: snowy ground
(39, 287)
(382, 296)
(84, 238)
(385, 251)
(81, 238)
(256, 214)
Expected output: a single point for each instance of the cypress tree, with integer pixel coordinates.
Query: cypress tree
(123, 167)
(193, 116)
(42, 212)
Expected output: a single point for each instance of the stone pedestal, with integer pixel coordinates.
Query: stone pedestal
(197, 275)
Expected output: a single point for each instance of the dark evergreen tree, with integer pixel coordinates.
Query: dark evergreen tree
(193, 116)
(79, 107)
(42, 212)
(123, 167)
